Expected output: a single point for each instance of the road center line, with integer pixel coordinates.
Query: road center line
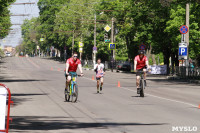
(32, 62)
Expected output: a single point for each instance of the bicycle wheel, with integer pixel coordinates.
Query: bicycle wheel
(142, 88)
(75, 94)
(67, 94)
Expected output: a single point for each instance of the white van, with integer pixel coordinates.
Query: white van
(8, 54)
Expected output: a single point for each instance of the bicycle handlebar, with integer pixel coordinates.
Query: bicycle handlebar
(74, 75)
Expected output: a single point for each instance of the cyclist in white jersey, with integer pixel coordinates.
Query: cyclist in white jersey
(99, 69)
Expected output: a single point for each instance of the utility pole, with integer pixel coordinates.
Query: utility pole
(187, 35)
(112, 36)
(112, 41)
(94, 59)
(73, 43)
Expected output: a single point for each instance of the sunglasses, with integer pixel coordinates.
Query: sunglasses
(75, 56)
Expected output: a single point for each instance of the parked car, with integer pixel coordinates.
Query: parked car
(8, 54)
(123, 67)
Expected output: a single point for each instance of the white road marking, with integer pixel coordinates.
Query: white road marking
(172, 100)
(32, 63)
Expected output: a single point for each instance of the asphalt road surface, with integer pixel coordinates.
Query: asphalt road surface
(37, 87)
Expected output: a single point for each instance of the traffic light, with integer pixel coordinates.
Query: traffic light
(106, 38)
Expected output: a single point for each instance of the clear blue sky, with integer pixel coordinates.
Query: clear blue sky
(32, 9)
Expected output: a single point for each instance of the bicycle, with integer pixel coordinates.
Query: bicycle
(142, 84)
(72, 91)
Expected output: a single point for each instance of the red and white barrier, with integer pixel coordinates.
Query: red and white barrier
(5, 95)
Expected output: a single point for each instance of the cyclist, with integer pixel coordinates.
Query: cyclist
(141, 63)
(71, 67)
(99, 69)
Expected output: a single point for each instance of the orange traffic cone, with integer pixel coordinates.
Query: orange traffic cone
(118, 84)
(92, 77)
(199, 106)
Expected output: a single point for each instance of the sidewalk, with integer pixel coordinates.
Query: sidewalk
(177, 78)
(173, 78)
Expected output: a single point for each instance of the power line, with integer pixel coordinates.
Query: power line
(77, 4)
(22, 3)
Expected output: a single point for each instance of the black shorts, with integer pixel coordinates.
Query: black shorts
(99, 78)
(139, 71)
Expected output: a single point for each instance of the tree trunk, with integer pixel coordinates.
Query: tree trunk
(166, 62)
(153, 59)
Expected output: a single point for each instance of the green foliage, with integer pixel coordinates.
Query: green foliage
(152, 22)
(5, 23)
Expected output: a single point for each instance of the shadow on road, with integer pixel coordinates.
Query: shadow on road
(19, 80)
(56, 123)
(169, 82)
(19, 98)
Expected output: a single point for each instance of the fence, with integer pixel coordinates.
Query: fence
(187, 72)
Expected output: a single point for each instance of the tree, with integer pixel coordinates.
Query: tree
(5, 23)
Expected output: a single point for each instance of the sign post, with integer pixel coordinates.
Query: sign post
(183, 46)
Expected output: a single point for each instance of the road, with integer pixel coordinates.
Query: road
(37, 87)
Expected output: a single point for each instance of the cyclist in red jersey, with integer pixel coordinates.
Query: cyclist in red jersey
(71, 66)
(140, 63)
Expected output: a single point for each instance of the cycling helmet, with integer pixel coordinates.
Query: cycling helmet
(141, 52)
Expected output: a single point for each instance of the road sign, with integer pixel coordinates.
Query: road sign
(182, 51)
(107, 40)
(94, 48)
(41, 39)
(81, 44)
(184, 29)
(107, 28)
(142, 47)
(81, 50)
(112, 46)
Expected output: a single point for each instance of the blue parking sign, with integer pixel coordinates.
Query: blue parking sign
(112, 46)
(182, 51)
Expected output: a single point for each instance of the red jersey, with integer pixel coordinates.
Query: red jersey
(140, 62)
(73, 64)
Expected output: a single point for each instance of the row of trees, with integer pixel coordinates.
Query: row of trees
(154, 23)
(5, 23)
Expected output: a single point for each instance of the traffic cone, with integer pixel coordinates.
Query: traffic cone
(92, 77)
(199, 106)
(118, 84)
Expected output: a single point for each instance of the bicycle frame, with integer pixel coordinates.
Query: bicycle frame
(142, 76)
(72, 84)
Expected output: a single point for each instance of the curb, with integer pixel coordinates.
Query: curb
(184, 80)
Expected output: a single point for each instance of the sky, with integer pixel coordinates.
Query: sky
(14, 38)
